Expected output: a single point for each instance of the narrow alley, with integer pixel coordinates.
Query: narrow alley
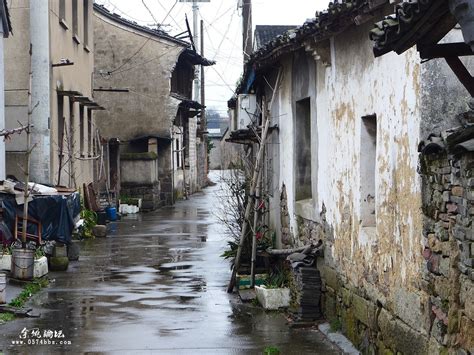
(157, 284)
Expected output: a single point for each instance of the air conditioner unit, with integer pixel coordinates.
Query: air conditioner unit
(246, 110)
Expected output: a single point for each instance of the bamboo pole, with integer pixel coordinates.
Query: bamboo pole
(26, 193)
(253, 186)
(250, 205)
(254, 232)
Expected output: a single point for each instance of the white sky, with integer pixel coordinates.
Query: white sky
(222, 29)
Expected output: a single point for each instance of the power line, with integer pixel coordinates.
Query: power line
(115, 8)
(215, 29)
(141, 64)
(151, 13)
(169, 11)
(164, 8)
(223, 80)
(130, 58)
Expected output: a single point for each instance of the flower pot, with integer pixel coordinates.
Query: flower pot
(273, 298)
(243, 281)
(5, 262)
(40, 267)
(3, 286)
(23, 261)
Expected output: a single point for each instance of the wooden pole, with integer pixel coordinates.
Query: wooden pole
(253, 185)
(61, 148)
(26, 193)
(254, 234)
(250, 204)
(247, 29)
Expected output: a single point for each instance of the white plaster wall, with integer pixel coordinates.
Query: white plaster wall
(356, 85)
(288, 93)
(286, 142)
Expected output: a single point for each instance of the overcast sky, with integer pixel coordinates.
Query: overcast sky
(222, 28)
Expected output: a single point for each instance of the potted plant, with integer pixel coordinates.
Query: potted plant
(5, 258)
(40, 267)
(274, 293)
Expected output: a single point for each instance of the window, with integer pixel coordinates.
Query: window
(75, 22)
(81, 130)
(60, 137)
(368, 156)
(62, 13)
(62, 9)
(85, 12)
(90, 139)
(178, 153)
(303, 150)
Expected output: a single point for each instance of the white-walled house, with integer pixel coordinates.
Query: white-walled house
(342, 166)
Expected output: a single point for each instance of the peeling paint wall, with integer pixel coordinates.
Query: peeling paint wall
(375, 278)
(354, 86)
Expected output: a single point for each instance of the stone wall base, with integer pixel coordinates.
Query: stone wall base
(372, 328)
(150, 194)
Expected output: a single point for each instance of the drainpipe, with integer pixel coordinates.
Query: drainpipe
(40, 163)
(463, 11)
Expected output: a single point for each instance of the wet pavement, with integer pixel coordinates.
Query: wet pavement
(155, 285)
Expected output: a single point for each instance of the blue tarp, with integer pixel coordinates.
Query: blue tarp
(56, 214)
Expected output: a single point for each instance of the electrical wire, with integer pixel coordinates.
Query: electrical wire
(172, 18)
(151, 13)
(131, 57)
(141, 64)
(169, 11)
(114, 8)
(219, 32)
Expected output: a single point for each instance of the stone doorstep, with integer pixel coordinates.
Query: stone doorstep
(338, 339)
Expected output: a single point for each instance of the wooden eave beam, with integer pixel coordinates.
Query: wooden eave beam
(69, 93)
(445, 50)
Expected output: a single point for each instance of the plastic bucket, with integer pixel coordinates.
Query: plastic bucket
(102, 218)
(23, 261)
(3, 286)
(111, 213)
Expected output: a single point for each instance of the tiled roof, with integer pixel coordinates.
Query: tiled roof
(414, 22)
(335, 19)
(266, 33)
(338, 16)
(157, 33)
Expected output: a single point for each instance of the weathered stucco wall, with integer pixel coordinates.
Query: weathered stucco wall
(375, 269)
(77, 77)
(357, 85)
(148, 108)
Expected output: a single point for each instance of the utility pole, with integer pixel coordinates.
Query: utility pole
(197, 83)
(203, 94)
(247, 28)
(203, 103)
